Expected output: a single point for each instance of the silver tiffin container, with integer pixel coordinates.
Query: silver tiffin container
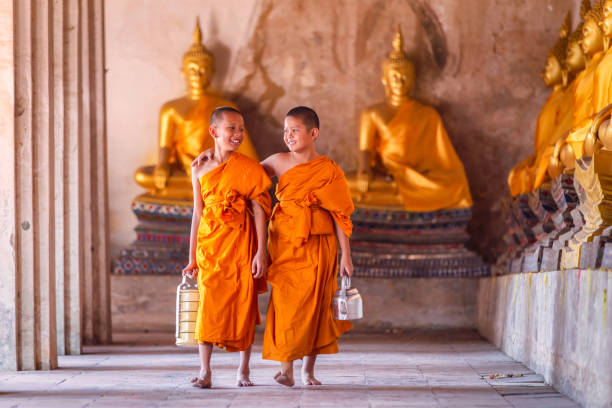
(187, 302)
(347, 303)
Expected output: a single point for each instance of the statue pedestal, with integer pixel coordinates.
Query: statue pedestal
(401, 244)
(162, 237)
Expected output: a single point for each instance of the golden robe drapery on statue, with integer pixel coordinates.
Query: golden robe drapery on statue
(416, 150)
(521, 177)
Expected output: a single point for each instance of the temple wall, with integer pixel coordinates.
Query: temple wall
(389, 305)
(478, 63)
(557, 323)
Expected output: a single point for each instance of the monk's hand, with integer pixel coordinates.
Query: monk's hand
(191, 270)
(259, 267)
(204, 156)
(161, 175)
(346, 265)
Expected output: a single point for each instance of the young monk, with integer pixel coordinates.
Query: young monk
(311, 218)
(227, 250)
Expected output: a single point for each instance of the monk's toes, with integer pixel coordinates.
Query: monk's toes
(312, 381)
(201, 383)
(284, 380)
(244, 382)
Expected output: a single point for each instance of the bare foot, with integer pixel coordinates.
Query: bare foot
(201, 382)
(243, 380)
(284, 379)
(309, 379)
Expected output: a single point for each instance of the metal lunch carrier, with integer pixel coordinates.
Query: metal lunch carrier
(187, 302)
(347, 303)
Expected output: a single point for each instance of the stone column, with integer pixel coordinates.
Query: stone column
(96, 305)
(54, 268)
(8, 281)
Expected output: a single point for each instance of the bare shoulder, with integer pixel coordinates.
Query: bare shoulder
(275, 163)
(201, 169)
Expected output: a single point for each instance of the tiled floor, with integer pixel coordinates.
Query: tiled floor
(448, 369)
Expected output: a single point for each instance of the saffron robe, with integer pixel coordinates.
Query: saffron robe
(416, 150)
(521, 177)
(226, 245)
(304, 261)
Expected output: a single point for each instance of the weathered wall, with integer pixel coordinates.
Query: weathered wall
(558, 324)
(421, 304)
(478, 64)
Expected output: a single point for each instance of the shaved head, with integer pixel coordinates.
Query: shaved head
(308, 116)
(217, 114)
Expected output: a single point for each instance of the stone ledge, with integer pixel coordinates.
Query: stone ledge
(147, 303)
(558, 324)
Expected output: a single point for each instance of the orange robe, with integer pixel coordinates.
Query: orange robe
(583, 106)
(521, 177)
(416, 150)
(304, 253)
(227, 242)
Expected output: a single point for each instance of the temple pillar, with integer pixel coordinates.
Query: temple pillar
(54, 269)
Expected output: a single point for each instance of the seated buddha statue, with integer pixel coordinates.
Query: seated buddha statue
(602, 93)
(183, 128)
(522, 177)
(406, 159)
(560, 155)
(584, 107)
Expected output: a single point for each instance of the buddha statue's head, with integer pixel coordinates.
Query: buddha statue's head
(398, 73)
(575, 60)
(592, 35)
(554, 70)
(606, 22)
(198, 63)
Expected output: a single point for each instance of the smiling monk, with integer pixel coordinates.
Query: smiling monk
(311, 218)
(228, 246)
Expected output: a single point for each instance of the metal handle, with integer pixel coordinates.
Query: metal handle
(344, 285)
(191, 284)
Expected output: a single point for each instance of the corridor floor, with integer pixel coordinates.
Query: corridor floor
(449, 369)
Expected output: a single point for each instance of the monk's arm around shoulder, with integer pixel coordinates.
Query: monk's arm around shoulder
(191, 269)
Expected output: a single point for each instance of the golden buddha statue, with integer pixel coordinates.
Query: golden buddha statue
(406, 160)
(602, 93)
(522, 178)
(584, 107)
(183, 128)
(559, 155)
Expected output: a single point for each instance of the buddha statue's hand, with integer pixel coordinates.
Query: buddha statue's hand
(363, 181)
(204, 156)
(161, 175)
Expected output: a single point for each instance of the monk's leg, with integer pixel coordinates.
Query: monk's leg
(285, 375)
(204, 379)
(308, 377)
(242, 377)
